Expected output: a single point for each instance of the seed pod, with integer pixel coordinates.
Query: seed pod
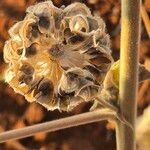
(79, 23)
(47, 15)
(69, 82)
(103, 40)
(11, 50)
(74, 79)
(29, 31)
(44, 94)
(43, 7)
(95, 23)
(77, 8)
(44, 23)
(45, 89)
(14, 30)
(67, 35)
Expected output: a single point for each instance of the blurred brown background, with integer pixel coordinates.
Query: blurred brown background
(15, 112)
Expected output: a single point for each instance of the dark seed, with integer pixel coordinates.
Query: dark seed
(76, 39)
(25, 79)
(46, 87)
(19, 51)
(72, 76)
(83, 29)
(64, 68)
(55, 50)
(88, 78)
(27, 69)
(68, 33)
(71, 94)
(93, 70)
(92, 51)
(31, 50)
(93, 24)
(64, 42)
(35, 31)
(63, 95)
(100, 59)
(58, 19)
(44, 22)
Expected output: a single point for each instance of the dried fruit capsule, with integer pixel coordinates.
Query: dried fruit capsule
(58, 57)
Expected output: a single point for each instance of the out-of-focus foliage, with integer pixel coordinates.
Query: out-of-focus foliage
(143, 130)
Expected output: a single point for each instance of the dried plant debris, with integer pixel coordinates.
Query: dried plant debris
(57, 57)
(143, 130)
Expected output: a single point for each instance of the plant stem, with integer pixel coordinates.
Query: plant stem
(81, 119)
(130, 35)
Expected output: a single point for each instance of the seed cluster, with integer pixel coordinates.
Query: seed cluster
(57, 57)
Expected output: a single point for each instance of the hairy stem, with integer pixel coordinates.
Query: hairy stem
(55, 125)
(130, 31)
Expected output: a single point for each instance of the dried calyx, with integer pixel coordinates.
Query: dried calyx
(58, 57)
